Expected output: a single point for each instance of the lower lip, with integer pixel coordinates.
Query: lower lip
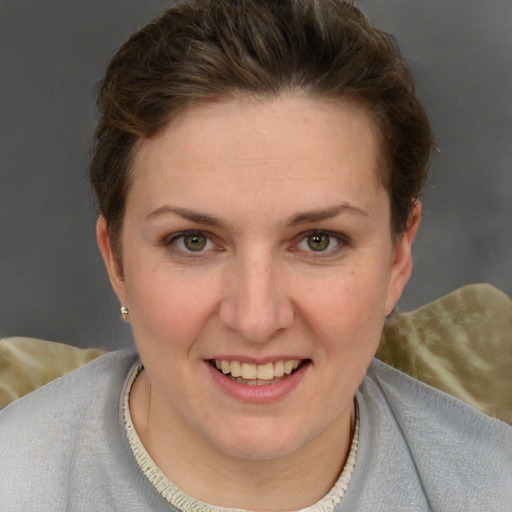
(262, 394)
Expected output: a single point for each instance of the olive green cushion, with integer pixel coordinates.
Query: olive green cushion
(28, 363)
(460, 344)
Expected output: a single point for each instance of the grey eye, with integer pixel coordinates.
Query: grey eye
(318, 241)
(195, 241)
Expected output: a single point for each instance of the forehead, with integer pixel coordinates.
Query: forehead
(283, 146)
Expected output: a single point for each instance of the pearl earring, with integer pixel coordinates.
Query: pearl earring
(124, 312)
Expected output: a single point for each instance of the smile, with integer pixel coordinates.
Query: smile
(257, 374)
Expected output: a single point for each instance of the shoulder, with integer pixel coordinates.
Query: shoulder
(48, 432)
(457, 450)
(412, 401)
(82, 389)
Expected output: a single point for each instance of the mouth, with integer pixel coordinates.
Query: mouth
(258, 374)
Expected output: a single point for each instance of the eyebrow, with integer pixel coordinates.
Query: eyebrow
(325, 214)
(300, 218)
(185, 213)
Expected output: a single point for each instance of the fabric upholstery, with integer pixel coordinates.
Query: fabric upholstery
(28, 363)
(460, 344)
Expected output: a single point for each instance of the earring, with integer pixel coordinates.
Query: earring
(124, 312)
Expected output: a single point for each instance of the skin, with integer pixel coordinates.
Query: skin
(256, 176)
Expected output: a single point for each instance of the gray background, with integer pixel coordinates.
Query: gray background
(52, 53)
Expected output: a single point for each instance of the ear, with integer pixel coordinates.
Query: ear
(114, 267)
(402, 258)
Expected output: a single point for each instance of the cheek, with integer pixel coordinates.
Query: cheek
(169, 308)
(346, 315)
(348, 300)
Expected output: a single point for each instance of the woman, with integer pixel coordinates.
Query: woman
(258, 168)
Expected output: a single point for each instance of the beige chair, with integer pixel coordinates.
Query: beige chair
(460, 344)
(28, 363)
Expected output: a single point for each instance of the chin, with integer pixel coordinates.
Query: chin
(261, 440)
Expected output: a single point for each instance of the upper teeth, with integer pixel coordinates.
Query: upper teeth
(251, 371)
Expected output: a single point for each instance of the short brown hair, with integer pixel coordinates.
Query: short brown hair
(206, 49)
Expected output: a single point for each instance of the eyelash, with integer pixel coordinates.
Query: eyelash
(340, 240)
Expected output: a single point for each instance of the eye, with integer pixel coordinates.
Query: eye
(319, 241)
(195, 241)
(190, 241)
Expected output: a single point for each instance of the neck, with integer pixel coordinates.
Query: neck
(209, 475)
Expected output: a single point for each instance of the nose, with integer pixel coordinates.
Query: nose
(256, 304)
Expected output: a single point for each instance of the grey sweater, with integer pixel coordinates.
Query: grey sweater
(64, 448)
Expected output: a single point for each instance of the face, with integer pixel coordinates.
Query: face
(258, 269)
